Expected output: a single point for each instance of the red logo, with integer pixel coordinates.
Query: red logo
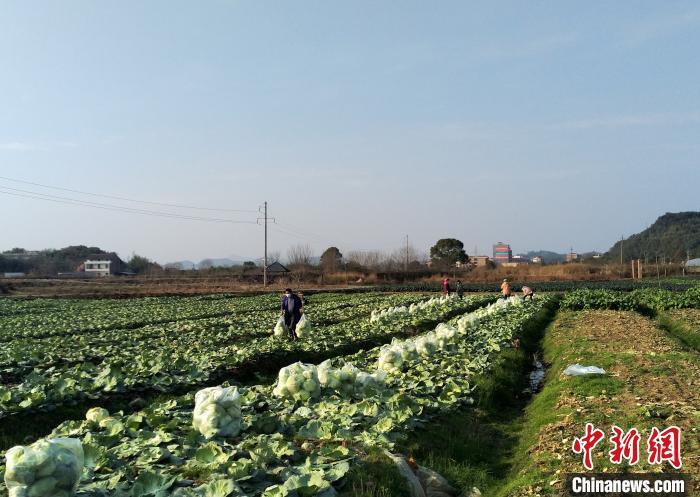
(625, 446)
(587, 443)
(662, 446)
(665, 446)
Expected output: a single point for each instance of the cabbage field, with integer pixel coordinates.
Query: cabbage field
(58, 352)
(230, 408)
(241, 411)
(204, 396)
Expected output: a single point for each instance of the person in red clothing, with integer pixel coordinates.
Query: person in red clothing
(446, 286)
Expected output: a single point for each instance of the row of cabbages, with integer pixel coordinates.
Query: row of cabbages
(306, 381)
(378, 315)
(394, 356)
(474, 318)
(217, 410)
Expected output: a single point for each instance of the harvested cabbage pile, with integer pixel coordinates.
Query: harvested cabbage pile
(426, 345)
(280, 328)
(47, 468)
(341, 379)
(446, 336)
(347, 380)
(298, 381)
(394, 356)
(365, 381)
(303, 326)
(473, 319)
(378, 315)
(217, 412)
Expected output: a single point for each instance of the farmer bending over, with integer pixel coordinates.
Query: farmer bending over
(527, 292)
(292, 309)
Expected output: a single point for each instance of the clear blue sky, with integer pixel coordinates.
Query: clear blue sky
(543, 124)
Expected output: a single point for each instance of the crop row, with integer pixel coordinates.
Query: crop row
(288, 447)
(24, 354)
(71, 317)
(178, 361)
(648, 300)
(626, 285)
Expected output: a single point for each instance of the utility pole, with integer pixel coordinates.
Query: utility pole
(406, 266)
(657, 271)
(265, 219)
(622, 264)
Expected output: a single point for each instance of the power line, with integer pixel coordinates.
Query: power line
(111, 207)
(301, 231)
(299, 234)
(295, 235)
(115, 197)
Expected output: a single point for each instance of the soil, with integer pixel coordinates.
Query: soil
(652, 381)
(689, 317)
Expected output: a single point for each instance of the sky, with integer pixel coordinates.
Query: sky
(548, 125)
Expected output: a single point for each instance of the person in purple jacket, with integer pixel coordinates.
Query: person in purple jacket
(292, 309)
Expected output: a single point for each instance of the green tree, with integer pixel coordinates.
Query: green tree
(448, 251)
(139, 264)
(331, 259)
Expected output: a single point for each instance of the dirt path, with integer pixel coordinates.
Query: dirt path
(652, 381)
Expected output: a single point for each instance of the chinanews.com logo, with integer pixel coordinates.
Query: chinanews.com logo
(663, 446)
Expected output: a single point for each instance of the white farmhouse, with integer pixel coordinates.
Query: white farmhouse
(102, 265)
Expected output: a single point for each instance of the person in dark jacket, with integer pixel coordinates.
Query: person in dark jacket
(292, 309)
(460, 289)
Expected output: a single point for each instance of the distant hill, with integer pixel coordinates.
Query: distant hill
(206, 263)
(547, 256)
(673, 236)
(183, 265)
(223, 262)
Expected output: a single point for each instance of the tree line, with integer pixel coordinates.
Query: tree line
(444, 254)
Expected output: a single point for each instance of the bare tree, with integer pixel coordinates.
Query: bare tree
(273, 256)
(368, 259)
(300, 255)
(402, 257)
